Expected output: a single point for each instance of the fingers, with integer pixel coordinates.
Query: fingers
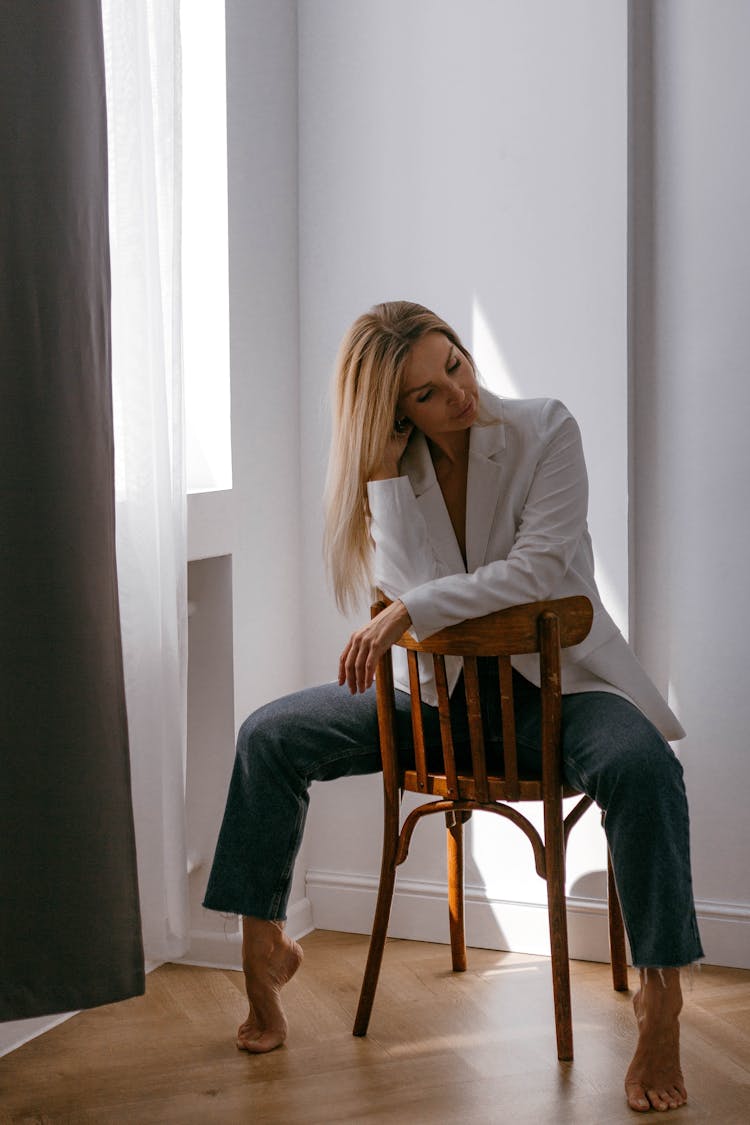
(358, 662)
(361, 656)
(398, 441)
(342, 664)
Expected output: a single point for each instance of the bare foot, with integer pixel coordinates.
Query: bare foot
(269, 960)
(654, 1079)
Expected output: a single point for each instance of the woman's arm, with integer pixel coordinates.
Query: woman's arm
(549, 531)
(551, 524)
(365, 647)
(404, 556)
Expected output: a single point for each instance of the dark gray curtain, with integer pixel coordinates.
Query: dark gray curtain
(70, 933)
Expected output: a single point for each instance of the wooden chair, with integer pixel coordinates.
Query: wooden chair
(461, 788)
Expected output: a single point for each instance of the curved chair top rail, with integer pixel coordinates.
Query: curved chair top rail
(508, 632)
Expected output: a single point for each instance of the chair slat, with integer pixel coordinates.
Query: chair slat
(476, 734)
(508, 716)
(446, 733)
(420, 755)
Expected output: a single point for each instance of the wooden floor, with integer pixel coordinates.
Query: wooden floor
(443, 1047)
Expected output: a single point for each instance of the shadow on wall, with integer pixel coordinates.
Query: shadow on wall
(592, 885)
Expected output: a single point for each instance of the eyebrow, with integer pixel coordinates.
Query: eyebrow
(421, 387)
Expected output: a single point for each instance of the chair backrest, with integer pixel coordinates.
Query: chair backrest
(538, 627)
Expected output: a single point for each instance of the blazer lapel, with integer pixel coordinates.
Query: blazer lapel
(486, 454)
(421, 472)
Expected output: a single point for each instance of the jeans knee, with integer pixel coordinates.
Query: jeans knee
(649, 774)
(656, 761)
(270, 747)
(258, 732)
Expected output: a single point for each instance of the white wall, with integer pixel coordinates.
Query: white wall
(471, 157)
(692, 404)
(474, 157)
(263, 273)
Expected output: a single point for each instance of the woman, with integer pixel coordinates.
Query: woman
(457, 504)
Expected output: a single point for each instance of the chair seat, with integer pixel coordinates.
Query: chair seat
(437, 786)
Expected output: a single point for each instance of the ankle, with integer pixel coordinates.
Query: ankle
(253, 922)
(659, 996)
(266, 929)
(261, 937)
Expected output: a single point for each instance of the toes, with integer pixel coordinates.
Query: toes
(248, 1027)
(637, 1099)
(658, 1099)
(669, 1098)
(260, 1042)
(257, 1040)
(642, 1098)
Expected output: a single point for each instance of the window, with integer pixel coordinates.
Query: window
(205, 265)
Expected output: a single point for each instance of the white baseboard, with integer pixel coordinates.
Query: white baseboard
(222, 949)
(725, 932)
(346, 902)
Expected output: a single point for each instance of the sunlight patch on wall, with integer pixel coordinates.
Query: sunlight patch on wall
(489, 359)
(612, 598)
(497, 377)
(502, 855)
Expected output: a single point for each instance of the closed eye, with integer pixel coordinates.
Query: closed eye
(453, 366)
(425, 396)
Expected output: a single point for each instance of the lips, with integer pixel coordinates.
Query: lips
(466, 410)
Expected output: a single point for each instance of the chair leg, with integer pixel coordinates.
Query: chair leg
(455, 840)
(616, 933)
(380, 922)
(558, 932)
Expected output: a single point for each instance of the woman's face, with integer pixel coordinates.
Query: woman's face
(440, 393)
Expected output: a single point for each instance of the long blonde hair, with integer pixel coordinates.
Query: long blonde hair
(366, 386)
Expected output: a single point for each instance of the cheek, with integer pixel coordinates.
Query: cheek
(422, 412)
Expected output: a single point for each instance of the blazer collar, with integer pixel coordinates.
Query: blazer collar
(486, 450)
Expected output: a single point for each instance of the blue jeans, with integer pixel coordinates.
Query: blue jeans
(610, 751)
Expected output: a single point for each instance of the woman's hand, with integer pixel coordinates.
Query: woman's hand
(394, 450)
(364, 649)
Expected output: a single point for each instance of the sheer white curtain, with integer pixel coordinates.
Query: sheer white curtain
(141, 41)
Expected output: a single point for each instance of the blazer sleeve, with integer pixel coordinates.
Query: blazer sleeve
(403, 551)
(549, 531)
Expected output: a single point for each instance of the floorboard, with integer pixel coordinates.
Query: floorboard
(443, 1047)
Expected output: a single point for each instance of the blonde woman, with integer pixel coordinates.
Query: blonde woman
(456, 504)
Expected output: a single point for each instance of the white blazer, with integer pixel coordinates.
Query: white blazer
(526, 540)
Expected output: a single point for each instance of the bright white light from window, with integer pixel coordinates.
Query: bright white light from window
(205, 266)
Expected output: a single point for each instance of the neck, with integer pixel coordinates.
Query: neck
(450, 447)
